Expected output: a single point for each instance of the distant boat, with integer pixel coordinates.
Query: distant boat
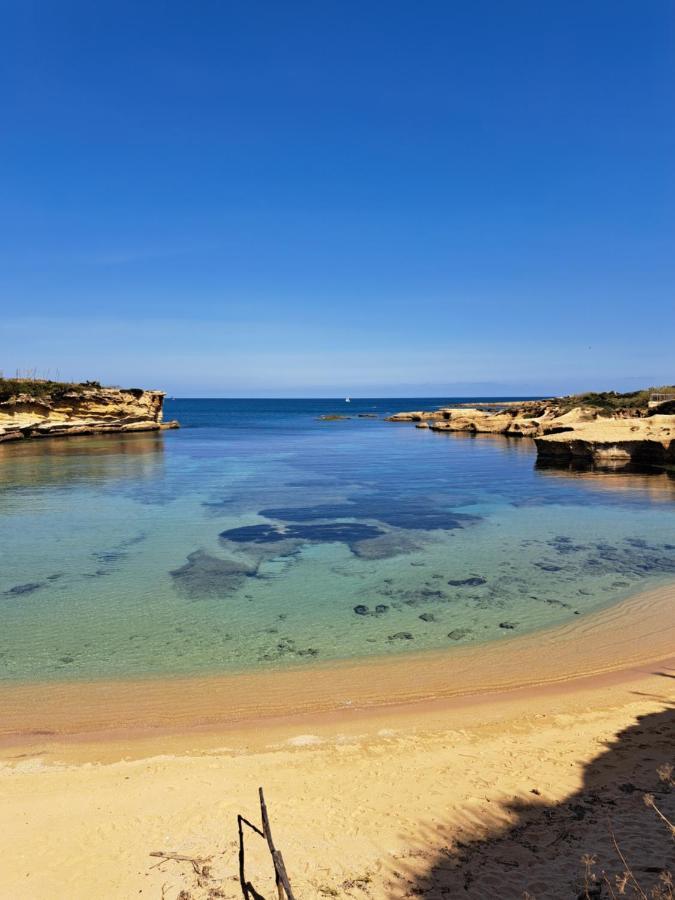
(347, 400)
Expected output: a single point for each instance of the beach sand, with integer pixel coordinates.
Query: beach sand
(462, 783)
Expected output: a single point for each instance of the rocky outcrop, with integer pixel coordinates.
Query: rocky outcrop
(563, 435)
(612, 443)
(513, 420)
(418, 416)
(508, 422)
(80, 409)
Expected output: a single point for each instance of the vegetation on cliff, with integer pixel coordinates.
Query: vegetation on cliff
(609, 403)
(46, 390)
(42, 389)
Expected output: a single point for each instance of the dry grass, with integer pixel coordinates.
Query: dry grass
(625, 882)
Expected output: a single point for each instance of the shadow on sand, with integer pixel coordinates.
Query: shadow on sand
(540, 853)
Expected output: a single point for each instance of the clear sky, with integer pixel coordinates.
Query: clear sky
(318, 198)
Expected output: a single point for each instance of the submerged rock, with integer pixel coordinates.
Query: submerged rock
(362, 610)
(473, 581)
(204, 575)
(27, 588)
(287, 647)
(458, 633)
(423, 595)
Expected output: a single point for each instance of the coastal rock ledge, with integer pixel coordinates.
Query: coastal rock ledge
(612, 443)
(39, 409)
(608, 430)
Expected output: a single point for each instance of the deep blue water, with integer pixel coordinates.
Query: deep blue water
(259, 536)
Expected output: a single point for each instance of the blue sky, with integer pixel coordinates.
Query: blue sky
(313, 199)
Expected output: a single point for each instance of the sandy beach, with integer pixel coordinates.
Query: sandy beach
(483, 785)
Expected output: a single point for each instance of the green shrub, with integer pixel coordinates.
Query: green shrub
(609, 402)
(42, 390)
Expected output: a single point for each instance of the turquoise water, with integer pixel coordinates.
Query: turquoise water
(260, 537)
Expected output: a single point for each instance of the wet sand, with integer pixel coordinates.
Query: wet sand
(625, 635)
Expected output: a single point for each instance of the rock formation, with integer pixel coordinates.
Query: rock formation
(48, 409)
(612, 443)
(607, 430)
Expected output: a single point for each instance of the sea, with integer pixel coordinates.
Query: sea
(260, 537)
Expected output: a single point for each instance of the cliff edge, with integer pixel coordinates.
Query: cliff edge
(35, 409)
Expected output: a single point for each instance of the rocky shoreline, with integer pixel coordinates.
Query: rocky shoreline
(53, 409)
(567, 434)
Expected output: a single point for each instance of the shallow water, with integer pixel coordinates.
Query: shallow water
(258, 536)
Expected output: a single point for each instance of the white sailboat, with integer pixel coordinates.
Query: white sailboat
(347, 400)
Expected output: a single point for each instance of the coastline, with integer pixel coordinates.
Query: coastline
(620, 638)
(473, 771)
(500, 780)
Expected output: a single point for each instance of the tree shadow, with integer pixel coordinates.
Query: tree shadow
(539, 852)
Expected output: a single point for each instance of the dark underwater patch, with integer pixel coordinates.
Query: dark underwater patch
(385, 547)
(287, 647)
(204, 575)
(564, 545)
(418, 597)
(551, 602)
(457, 634)
(119, 551)
(363, 610)
(395, 510)
(473, 581)
(636, 559)
(342, 532)
(109, 556)
(548, 567)
(20, 589)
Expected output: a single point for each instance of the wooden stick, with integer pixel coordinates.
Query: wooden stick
(281, 876)
(242, 876)
(247, 888)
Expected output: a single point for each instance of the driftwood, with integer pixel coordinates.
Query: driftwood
(196, 861)
(283, 884)
(200, 865)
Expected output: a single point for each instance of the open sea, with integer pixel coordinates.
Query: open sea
(258, 537)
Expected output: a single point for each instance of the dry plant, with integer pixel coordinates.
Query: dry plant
(627, 883)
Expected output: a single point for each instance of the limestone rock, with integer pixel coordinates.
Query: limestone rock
(568, 430)
(82, 410)
(612, 443)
